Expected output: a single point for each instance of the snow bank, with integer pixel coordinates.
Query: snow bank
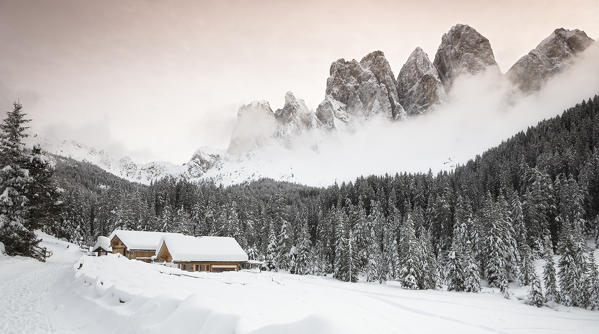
(154, 298)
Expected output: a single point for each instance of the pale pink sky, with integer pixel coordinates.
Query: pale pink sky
(158, 79)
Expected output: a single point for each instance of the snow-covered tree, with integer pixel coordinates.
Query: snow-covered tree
(410, 265)
(346, 255)
(591, 290)
(549, 274)
(535, 296)
(455, 272)
(272, 256)
(572, 266)
(20, 200)
(284, 247)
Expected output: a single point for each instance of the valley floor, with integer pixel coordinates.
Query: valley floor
(110, 294)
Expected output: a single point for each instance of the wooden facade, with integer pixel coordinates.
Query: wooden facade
(118, 247)
(207, 266)
(213, 267)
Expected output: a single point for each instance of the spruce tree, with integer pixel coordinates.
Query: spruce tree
(549, 274)
(272, 256)
(471, 271)
(455, 272)
(591, 291)
(16, 193)
(409, 264)
(572, 266)
(535, 296)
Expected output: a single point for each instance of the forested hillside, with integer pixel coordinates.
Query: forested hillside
(535, 194)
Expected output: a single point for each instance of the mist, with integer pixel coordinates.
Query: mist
(480, 112)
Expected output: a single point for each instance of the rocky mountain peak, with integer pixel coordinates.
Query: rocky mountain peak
(362, 88)
(551, 56)
(463, 50)
(295, 116)
(418, 83)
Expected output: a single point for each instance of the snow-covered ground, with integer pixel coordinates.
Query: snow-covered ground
(110, 294)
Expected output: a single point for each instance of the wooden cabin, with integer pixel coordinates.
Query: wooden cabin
(212, 254)
(138, 245)
(102, 246)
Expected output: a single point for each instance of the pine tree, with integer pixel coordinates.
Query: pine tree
(526, 265)
(495, 246)
(549, 274)
(430, 276)
(346, 256)
(572, 266)
(471, 271)
(455, 273)
(271, 251)
(409, 264)
(44, 198)
(284, 247)
(591, 290)
(301, 253)
(535, 296)
(16, 226)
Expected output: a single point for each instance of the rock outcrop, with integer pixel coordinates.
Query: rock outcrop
(551, 56)
(294, 117)
(463, 51)
(418, 84)
(360, 89)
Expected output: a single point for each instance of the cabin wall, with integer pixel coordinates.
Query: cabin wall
(140, 254)
(209, 266)
(118, 247)
(164, 254)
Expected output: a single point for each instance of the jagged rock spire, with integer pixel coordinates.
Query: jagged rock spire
(551, 56)
(418, 83)
(463, 51)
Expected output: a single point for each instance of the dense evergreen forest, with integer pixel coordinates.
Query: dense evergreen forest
(533, 196)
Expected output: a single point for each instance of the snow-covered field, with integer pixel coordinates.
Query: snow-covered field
(110, 294)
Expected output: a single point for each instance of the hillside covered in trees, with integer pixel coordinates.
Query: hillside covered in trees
(534, 195)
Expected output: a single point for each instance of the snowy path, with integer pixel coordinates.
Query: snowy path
(36, 297)
(115, 295)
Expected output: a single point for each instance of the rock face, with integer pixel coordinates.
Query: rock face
(463, 51)
(201, 161)
(418, 84)
(332, 113)
(551, 56)
(362, 88)
(294, 117)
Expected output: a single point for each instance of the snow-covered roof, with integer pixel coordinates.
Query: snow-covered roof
(140, 239)
(103, 243)
(218, 249)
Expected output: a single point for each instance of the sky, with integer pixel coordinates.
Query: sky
(157, 80)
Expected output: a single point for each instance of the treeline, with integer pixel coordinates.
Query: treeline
(534, 195)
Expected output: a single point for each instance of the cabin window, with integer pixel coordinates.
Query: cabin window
(203, 267)
(197, 267)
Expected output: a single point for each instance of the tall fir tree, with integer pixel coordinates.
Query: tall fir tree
(535, 296)
(18, 195)
(410, 265)
(549, 274)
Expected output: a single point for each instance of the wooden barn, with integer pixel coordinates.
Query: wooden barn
(102, 246)
(213, 254)
(138, 245)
